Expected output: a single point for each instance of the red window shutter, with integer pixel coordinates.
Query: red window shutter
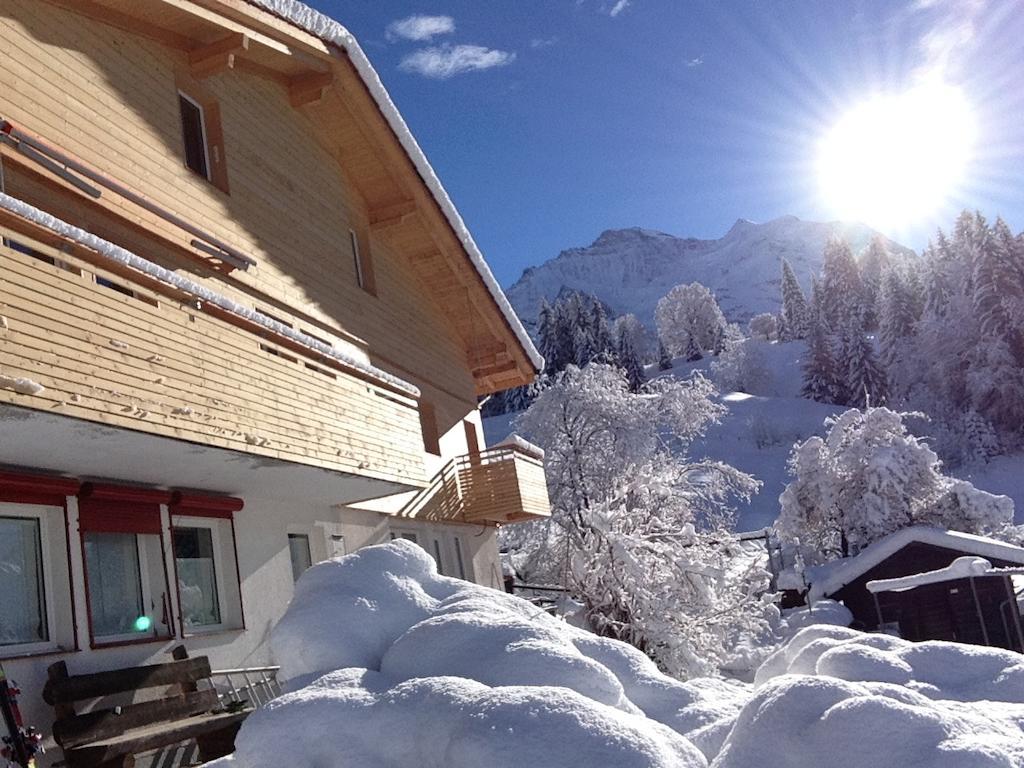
(120, 509)
(201, 505)
(48, 490)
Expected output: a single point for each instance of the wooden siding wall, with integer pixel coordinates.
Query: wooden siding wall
(110, 98)
(148, 364)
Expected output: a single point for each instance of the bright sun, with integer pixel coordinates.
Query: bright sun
(893, 161)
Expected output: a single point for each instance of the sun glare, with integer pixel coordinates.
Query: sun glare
(895, 159)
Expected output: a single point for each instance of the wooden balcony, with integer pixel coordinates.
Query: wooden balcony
(84, 341)
(501, 485)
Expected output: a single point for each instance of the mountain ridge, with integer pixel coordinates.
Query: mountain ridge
(629, 269)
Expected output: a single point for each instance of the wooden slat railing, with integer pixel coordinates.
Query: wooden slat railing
(501, 485)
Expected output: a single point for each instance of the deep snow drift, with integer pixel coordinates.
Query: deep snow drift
(389, 664)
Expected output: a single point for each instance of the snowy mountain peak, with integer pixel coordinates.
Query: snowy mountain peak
(631, 269)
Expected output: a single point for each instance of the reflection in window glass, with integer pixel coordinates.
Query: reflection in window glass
(197, 576)
(115, 584)
(22, 598)
(298, 548)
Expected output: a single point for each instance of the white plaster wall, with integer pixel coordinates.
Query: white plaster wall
(264, 565)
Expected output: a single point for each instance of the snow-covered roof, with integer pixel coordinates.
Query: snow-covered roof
(332, 32)
(126, 258)
(962, 568)
(828, 579)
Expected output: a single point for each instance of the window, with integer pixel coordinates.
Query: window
(127, 599)
(205, 563)
(196, 564)
(428, 426)
(460, 565)
(22, 587)
(298, 548)
(363, 265)
(127, 588)
(193, 129)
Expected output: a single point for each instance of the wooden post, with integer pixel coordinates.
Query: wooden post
(981, 616)
(1014, 611)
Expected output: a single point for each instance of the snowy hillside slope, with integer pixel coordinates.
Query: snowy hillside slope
(758, 432)
(630, 269)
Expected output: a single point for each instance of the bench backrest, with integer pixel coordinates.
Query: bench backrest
(63, 690)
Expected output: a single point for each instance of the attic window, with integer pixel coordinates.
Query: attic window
(193, 129)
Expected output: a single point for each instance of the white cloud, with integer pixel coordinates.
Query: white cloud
(420, 28)
(618, 8)
(695, 62)
(951, 32)
(543, 42)
(442, 62)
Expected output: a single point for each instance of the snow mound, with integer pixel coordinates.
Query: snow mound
(379, 637)
(939, 670)
(389, 665)
(808, 722)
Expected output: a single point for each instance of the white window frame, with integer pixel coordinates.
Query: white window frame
(39, 514)
(358, 257)
(182, 521)
(147, 599)
(202, 130)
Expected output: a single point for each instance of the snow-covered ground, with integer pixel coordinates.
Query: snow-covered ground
(758, 432)
(389, 665)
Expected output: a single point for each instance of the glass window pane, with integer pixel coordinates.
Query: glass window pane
(115, 584)
(195, 140)
(298, 548)
(22, 600)
(197, 576)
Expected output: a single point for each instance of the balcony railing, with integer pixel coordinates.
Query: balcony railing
(505, 484)
(110, 345)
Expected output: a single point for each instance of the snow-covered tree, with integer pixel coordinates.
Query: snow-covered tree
(841, 293)
(687, 317)
(823, 379)
(795, 312)
(873, 265)
(869, 477)
(764, 326)
(640, 533)
(863, 378)
(629, 361)
(896, 325)
(664, 358)
(640, 338)
(743, 367)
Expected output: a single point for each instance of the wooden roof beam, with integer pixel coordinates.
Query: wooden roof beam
(388, 216)
(218, 56)
(309, 88)
(126, 22)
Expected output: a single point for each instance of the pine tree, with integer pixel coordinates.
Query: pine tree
(841, 301)
(548, 337)
(897, 318)
(795, 319)
(664, 359)
(865, 383)
(873, 264)
(630, 363)
(603, 346)
(822, 380)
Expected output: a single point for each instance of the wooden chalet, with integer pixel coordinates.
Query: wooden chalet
(242, 329)
(979, 609)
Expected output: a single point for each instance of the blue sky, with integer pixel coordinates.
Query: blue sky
(575, 116)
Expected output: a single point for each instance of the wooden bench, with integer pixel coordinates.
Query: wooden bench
(111, 736)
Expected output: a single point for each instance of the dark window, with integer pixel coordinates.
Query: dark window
(298, 548)
(194, 133)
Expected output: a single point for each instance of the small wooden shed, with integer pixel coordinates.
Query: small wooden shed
(981, 609)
